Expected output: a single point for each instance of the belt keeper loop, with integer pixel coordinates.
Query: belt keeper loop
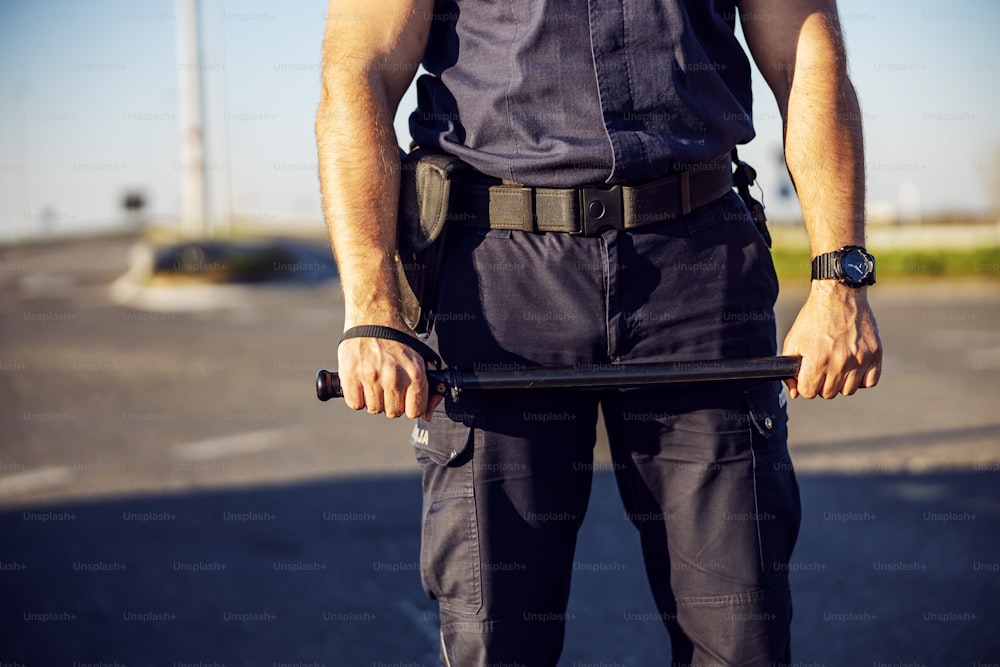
(685, 192)
(512, 207)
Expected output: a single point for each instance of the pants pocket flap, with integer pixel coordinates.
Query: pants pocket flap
(443, 440)
(766, 408)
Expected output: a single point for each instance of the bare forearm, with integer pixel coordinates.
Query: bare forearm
(800, 51)
(359, 178)
(371, 51)
(824, 145)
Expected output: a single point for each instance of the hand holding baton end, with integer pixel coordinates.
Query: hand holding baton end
(454, 381)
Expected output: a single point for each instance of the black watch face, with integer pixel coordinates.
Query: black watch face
(855, 265)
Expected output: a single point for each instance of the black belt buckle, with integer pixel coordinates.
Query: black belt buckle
(600, 209)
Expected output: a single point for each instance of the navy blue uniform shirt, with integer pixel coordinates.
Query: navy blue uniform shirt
(562, 93)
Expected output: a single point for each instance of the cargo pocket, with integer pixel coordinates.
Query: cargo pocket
(449, 548)
(778, 509)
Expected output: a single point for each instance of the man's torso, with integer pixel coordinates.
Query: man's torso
(561, 93)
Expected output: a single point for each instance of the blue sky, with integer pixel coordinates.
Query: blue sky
(88, 95)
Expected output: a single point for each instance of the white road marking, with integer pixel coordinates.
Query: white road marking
(984, 359)
(30, 480)
(233, 445)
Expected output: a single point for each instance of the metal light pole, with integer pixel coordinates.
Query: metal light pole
(192, 142)
(19, 172)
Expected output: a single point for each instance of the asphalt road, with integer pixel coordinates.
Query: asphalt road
(171, 493)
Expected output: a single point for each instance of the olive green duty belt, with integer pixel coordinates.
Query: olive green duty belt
(588, 211)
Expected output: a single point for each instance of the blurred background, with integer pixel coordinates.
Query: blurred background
(91, 101)
(172, 493)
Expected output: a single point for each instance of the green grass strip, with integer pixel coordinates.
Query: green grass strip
(793, 264)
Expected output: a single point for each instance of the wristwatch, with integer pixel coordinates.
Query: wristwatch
(852, 265)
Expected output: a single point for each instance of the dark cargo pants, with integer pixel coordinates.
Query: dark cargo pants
(703, 471)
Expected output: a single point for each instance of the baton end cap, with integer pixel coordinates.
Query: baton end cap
(327, 385)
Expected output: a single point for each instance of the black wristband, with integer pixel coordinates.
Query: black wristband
(388, 333)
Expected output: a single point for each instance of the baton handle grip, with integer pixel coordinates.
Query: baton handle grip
(328, 384)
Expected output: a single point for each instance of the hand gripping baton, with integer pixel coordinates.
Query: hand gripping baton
(454, 381)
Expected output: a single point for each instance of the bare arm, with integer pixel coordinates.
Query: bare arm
(799, 49)
(371, 51)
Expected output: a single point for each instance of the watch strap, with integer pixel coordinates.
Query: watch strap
(825, 266)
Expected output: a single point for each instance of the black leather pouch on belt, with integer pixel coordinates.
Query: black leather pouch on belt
(425, 188)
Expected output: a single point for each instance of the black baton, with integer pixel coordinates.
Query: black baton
(589, 376)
